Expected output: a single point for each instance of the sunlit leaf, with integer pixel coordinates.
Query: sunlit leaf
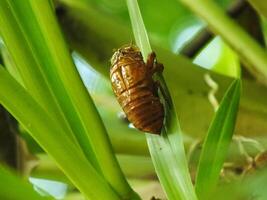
(43, 128)
(217, 142)
(49, 74)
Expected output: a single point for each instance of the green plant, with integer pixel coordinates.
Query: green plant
(82, 143)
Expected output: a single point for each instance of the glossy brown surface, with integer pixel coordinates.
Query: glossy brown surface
(135, 89)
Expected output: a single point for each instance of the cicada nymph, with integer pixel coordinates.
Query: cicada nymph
(135, 89)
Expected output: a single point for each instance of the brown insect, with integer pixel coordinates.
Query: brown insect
(135, 89)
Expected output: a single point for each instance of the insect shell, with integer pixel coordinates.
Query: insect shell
(136, 91)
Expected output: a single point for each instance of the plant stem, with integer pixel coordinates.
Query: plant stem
(204, 36)
(238, 39)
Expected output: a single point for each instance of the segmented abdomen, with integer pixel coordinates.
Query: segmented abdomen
(134, 88)
(142, 108)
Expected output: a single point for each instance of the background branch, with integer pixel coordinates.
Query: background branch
(242, 12)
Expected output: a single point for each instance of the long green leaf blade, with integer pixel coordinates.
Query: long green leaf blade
(26, 64)
(50, 135)
(139, 31)
(217, 142)
(37, 71)
(95, 131)
(167, 150)
(51, 60)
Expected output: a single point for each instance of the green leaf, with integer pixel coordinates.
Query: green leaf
(42, 71)
(45, 63)
(9, 63)
(260, 6)
(12, 188)
(139, 30)
(246, 47)
(134, 167)
(167, 150)
(217, 142)
(52, 138)
(25, 64)
(224, 60)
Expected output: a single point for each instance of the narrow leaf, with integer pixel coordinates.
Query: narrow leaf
(52, 138)
(217, 142)
(25, 63)
(47, 61)
(167, 150)
(94, 133)
(34, 63)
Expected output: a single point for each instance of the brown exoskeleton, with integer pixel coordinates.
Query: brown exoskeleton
(135, 88)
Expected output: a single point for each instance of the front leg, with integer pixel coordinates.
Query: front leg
(158, 67)
(150, 61)
(152, 64)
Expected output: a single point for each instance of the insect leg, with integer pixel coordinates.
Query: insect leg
(157, 67)
(151, 61)
(153, 65)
